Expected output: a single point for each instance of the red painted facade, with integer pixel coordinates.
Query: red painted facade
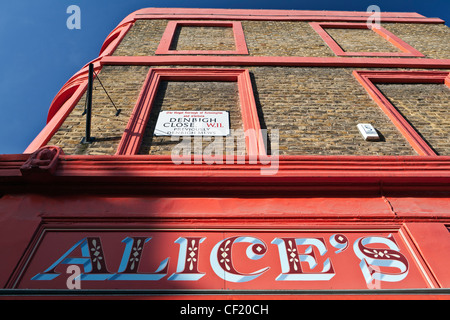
(325, 227)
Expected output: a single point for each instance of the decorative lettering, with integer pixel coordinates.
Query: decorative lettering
(340, 242)
(381, 257)
(222, 258)
(300, 258)
(290, 259)
(187, 267)
(92, 259)
(128, 269)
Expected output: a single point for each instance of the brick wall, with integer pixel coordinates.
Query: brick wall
(315, 110)
(203, 38)
(426, 107)
(432, 40)
(360, 40)
(292, 38)
(284, 38)
(193, 96)
(142, 39)
(123, 84)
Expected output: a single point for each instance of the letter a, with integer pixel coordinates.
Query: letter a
(92, 259)
(374, 21)
(73, 282)
(74, 21)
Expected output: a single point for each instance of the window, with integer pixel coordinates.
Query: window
(405, 50)
(135, 129)
(370, 79)
(166, 45)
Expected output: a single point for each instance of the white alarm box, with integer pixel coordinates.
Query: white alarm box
(368, 132)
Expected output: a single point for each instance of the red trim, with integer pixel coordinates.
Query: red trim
(63, 103)
(432, 240)
(289, 18)
(290, 166)
(132, 137)
(278, 61)
(273, 13)
(407, 50)
(311, 175)
(297, 169)
(368, 80)
(277, 15)
(114, 38)
(238, 32)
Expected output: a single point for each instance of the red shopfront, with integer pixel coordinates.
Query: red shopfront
(128, 226)
(361, 229)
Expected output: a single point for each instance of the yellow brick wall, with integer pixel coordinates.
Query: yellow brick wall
(289, 38)
(426, 108)
(315, 109)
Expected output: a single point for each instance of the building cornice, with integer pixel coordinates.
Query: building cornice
(49, 168)
(280, 15)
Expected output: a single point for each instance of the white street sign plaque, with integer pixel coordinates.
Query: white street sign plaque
(193, 123)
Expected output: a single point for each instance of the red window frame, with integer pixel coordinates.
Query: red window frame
(368, 79)
(238, 32)
(132, 137)
(407, 50)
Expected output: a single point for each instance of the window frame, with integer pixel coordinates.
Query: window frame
(135, 129)
(407, 50)
(166, 40)
(368, 79)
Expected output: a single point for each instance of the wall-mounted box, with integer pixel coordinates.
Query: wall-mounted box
(368, 132)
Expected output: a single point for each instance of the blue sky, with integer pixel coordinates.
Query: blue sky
(38, 53)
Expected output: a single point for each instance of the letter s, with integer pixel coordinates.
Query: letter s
(390, 257)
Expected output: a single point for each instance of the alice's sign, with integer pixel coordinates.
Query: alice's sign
(193, 123)
(211, 259)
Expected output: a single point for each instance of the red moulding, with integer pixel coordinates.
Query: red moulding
(134, 131)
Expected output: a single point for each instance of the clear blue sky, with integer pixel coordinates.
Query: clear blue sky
(38, 53)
